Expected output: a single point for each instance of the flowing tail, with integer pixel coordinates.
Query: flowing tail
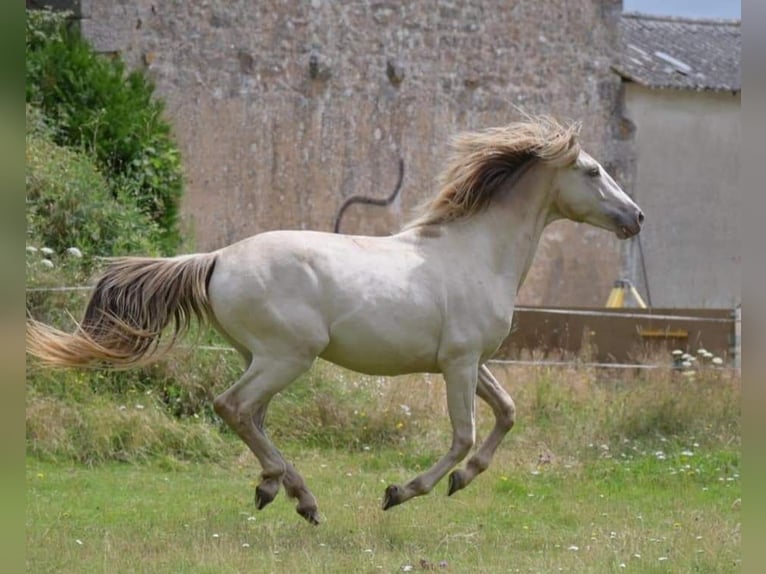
(132, 303)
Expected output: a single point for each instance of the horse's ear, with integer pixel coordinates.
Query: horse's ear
(572, 140)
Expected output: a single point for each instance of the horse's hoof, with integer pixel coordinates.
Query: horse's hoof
(455, 482)
(262, 497)
(310, 514)
(392, 497)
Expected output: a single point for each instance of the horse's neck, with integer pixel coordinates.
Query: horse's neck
(516, 220)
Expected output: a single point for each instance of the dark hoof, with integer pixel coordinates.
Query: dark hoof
(310, 514)
(392, 497)
(262, 497)
(455, 482)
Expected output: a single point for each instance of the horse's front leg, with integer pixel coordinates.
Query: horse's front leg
(461, 392)
(502, 406)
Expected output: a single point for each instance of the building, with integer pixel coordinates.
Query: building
(682, 83)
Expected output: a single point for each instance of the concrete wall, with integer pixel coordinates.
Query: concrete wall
(687, 182)
(283, 108)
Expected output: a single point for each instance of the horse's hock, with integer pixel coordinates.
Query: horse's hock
(284, 110)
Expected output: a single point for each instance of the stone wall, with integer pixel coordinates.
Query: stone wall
(284, 108)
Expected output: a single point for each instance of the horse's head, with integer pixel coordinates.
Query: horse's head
(584, 191)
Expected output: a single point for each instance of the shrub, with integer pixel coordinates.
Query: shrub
(94, 104)
(72, 219)
(69, 204)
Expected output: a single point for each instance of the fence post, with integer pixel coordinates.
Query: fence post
(736, 349)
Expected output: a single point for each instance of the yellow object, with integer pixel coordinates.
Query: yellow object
(617, 295)
(664, 333)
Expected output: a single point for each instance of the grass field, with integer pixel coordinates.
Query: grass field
(602, 473)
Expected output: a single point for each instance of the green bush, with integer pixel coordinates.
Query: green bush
(72, 219)
(70, 204)
(93, 104)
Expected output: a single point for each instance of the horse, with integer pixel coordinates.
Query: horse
(436, 297)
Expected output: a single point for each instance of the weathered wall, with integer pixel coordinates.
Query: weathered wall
(687, 182)
(283, 109)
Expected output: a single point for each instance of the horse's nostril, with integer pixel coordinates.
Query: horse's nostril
(640, 217)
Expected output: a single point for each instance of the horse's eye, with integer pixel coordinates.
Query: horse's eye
(594, 172)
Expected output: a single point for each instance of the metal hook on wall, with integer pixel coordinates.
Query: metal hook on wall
(370, 200)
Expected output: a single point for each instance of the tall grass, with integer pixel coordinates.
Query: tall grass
(97, 416)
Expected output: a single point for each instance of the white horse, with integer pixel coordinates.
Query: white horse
(437, 297)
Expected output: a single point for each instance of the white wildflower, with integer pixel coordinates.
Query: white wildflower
(47, 263)
(74, 252)
(718, 361)
(46, 251)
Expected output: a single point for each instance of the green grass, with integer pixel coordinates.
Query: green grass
(647, 513)
(602, 473)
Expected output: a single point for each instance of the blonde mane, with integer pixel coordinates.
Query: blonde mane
(481, 162)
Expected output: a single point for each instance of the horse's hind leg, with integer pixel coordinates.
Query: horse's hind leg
(243, 407)
(489, 390)
(295, 486)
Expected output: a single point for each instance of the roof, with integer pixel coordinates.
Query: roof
(681, 53)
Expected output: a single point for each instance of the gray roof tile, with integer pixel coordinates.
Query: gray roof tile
(671, 52)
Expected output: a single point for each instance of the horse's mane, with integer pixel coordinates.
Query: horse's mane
(481, 162)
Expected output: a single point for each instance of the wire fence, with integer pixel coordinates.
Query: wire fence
(521, 362)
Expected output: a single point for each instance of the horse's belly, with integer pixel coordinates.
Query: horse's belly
(374, 353)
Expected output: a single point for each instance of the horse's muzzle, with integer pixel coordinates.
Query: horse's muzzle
(629, 226)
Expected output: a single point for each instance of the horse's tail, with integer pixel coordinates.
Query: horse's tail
(132, 303)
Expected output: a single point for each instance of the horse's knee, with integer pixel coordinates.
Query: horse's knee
(506, 415)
